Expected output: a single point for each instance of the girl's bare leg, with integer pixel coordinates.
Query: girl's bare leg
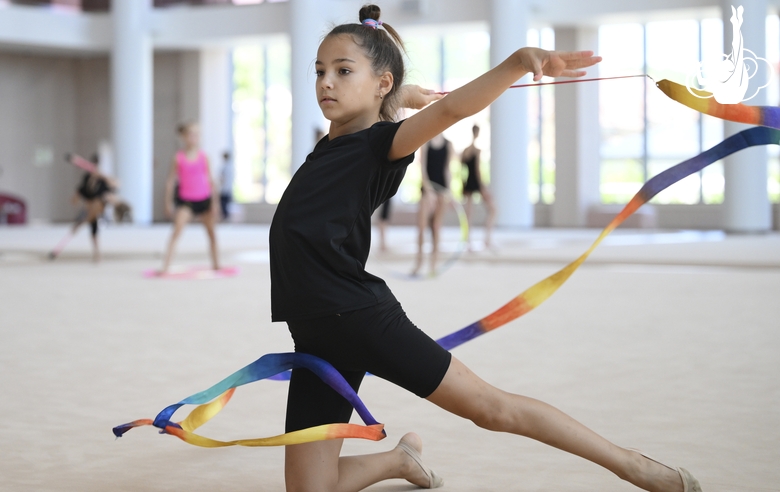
(491, 214)
(94, 211)
(180, 219)
(422, 218)
(467, 208)
(317, 467)
(209, 220)
(438, 217)
(463, 393)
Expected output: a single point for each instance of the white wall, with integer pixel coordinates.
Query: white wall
(37, 126)
(57, 104)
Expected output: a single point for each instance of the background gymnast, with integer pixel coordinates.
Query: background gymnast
(319, 241)
(435, 158)
(93, 192)
(189, 191)
(472, 183)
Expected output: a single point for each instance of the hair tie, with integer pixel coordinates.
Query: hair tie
(372, 23)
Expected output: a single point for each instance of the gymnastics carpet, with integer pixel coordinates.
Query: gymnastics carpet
(668, 347)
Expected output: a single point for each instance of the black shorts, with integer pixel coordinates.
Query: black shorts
(381, 340)
(198, 208)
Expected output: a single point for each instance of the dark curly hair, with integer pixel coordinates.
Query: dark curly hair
(383, 47)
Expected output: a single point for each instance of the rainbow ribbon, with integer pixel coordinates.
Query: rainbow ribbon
(212, 400)
(768, 116)
(277, 366)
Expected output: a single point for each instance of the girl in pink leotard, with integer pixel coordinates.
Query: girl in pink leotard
(189, 188)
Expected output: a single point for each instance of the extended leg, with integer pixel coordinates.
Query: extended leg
(438, 217)
(463, 393)
(467, 207)
(491, 214)
(422, 218)
(94, 211)
(209, 220)
(180, 219)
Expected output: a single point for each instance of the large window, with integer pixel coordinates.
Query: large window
(541, 128)
(262, 108)
(444, 63)
(450, 61)
(643, 131)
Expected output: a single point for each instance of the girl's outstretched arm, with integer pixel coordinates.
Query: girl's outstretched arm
(482, 91)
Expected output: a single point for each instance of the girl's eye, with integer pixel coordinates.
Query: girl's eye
(345, 71)
(319, 73)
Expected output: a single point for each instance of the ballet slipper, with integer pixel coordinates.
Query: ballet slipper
(434, 480)
(690, 484)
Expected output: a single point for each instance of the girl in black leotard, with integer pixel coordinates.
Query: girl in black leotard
(435, 158)
(473, 184)
(94, 191)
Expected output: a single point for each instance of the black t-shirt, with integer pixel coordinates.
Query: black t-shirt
(321, 231)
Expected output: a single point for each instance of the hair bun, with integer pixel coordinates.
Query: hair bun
(370, 11)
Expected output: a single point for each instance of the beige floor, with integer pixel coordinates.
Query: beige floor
(667, 342)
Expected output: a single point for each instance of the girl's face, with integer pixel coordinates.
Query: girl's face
(348, 90)
(191, 137)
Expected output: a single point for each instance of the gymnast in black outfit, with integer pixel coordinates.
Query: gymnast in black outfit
(319, 242)
(473, 184)
(434, 163)
(94, 191)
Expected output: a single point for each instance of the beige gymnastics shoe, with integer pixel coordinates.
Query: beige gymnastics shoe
(690, 484)
(434, 480)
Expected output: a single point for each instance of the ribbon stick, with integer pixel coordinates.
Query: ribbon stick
(212, 400)
(572, 81)
(79, 161)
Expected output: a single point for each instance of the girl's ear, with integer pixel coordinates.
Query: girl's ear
(385, 83)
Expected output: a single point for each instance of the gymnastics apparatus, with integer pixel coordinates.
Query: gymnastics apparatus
(276, 366)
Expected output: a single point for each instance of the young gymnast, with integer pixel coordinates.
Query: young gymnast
(94, 191)
(189, 191)
(435, 168)
(335, 310)
(473, 184)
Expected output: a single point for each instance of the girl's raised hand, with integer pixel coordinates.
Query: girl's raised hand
(415, 97)
(556, 63)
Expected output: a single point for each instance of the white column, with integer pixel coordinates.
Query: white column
(308, 23)
(509, 120)
(216, 99)
(577, 137)
(746, 201)
(132, 103)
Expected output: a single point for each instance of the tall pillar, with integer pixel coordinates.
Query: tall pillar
(308, 23)
(509, 120)
(746, 200)
(216, 101)
(577, 137)
(132, 103)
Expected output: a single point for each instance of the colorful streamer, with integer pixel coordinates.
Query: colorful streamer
(540, 292)
(277, 366)
(768, 116)
(212, 400)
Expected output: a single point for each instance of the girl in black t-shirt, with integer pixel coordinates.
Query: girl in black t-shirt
(319, 241)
